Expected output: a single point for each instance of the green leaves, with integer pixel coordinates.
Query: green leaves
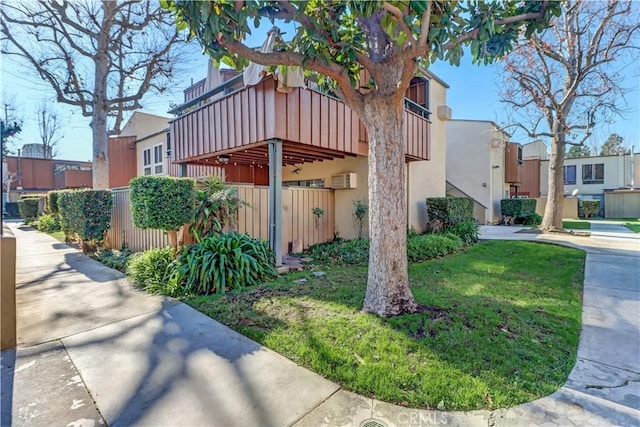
(161, 202)
(222, 263)
(85, 213)
(449, 210)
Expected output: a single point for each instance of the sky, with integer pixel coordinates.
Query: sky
(473, 94)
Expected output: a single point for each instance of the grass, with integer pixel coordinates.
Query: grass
(500, 327)
(632, 224)
(576, 225)
(58, 235)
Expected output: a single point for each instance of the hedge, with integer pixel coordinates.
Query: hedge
(86, 213)
(51, 204)
(518, 208)
(450, 210)
(28, 207)
(590, 207)
(161, 202)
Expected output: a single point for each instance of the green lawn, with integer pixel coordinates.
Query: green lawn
(576, 225)
(500, 327)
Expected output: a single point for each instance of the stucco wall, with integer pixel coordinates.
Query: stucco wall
(473, 149)
(150, 143)
(617, 174)
(142, 125)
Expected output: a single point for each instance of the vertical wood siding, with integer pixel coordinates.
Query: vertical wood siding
(297, 218)
(259, 113)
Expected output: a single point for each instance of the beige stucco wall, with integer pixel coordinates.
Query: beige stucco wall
(150, 143)
(149, 131)
(535, 150)
(474, 147)
(617, 174)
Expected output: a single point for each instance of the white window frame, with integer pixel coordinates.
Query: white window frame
(146, 162)
(158, 164)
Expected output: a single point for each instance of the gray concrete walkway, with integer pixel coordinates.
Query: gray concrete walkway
(94, 351)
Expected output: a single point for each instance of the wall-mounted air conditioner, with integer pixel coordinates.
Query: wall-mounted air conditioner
(444, 112)
(344, 180)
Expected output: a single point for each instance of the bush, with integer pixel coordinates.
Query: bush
(48, 223)
(590, 207)
(531, 219)
(150, 270)
(51, 202)
(222, 263)
(467, 231)
(113, 258)
(161, 202)
(429, 246)
(449, 211)
(85, 213)
(350, 252)
(216, 207)
(28, 208)
(517, 208)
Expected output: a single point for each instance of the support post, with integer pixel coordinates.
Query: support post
(275, 199)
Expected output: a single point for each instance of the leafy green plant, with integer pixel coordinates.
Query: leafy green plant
(48, 223)
(429, 246)
(28, 208)
(162, 202)
(590, 208)
(85, 214)
(150, 270)
(450, 210)
(317, 213)
(360, 213)
(465, 230)
(531, 219)
(517, 208)
(222, 263)
(340, 251)
(216, 207)
(113, 258)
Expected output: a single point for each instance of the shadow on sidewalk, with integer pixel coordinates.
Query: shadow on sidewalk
(6, 388)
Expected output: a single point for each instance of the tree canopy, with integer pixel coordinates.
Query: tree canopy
(367, 52)
(613, 146)
(577, 151)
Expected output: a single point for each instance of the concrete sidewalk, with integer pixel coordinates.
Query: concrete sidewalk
(93, 351)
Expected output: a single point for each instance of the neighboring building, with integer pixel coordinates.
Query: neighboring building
(482, 164)
(613, 180)
(590, 178)
(322, 143)
(41, 175)
(36, 151)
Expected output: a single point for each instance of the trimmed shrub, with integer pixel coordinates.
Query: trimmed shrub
(222, 263)
(533, 219)
(161, 202)
(48, 223)
(150, 270)
(467, 231)
(51, 202)
(590, 208)
(28, 207)
(517, 208)
(448, 211)
(429, 246)
(85, 213)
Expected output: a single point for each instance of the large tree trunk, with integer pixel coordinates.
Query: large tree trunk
(100, 108)
(552, 220)
(388, 292)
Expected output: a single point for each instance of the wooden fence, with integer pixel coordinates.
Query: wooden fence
(299, 223)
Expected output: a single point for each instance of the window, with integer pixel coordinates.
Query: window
(168, 144)
(157, 159)
(593, 174)
(146, 161)
(520, 155)
(312, 183)
(570, 175)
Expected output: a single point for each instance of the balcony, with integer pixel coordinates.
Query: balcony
(312, 126)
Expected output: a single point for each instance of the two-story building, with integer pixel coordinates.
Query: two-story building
(482, 164)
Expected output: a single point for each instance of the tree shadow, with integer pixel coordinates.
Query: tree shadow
(8, 365)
